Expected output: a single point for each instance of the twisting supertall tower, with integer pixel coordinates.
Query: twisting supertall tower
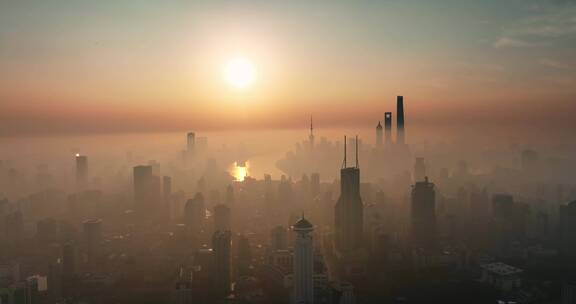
(400, 137)
(303, 263)
(349, 208)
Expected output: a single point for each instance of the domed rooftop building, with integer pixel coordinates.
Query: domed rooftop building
(302, 225)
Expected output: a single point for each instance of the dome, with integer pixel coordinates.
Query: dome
(303, 224)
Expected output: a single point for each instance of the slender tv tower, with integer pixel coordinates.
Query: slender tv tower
(400, 137)
(311, 136)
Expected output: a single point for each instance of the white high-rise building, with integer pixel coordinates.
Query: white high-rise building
(303, 263)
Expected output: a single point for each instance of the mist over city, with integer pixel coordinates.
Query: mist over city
(323, 152)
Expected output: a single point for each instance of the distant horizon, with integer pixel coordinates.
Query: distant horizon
(133, 66)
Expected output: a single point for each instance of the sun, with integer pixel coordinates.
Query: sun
(240, 73)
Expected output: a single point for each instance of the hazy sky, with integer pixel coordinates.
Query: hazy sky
(107, 66)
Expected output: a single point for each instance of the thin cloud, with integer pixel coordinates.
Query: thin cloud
(551, 63)
(551, 24)
(505, 42)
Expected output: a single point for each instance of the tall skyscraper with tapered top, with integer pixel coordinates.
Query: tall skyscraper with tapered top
(303, 263)
(400, 136)
(349, 209)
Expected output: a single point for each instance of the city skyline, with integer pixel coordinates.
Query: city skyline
(304, 152)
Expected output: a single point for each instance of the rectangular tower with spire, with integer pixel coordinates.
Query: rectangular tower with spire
(349, 208)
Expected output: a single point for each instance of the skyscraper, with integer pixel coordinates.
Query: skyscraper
(195, 213)
(349, 210)
(81, 170)
(190, 142)
(423, 214)
(244, 257)
(146, 190)
(400, 137)
(388, 128)
(221, 217)
(68, 268)
(182, 293)
(92, 235)
(567, 230)
(379, 135)
(314, 184)
(303, 262)
(279, 238)
(221, 244)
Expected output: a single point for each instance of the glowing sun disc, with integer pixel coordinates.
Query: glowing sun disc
(240, 73)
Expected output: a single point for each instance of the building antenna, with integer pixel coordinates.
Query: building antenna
(356, 151)
(344, 164)
(311, 128)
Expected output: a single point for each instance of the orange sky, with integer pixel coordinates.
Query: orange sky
(139, 66)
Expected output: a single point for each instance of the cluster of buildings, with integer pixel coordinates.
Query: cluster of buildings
(400, 232)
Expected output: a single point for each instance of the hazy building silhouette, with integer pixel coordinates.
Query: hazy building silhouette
(303, 262)
(423, 214)
(68, 269)
(388, 128)
(509, 220)
(349, 210)
(47, 230)
(182, 293)
(314, 184)
(221, 245)
(195, 213)
(278, 238)
(222, 218)
(244, 257)
(92, 239)
(81, 170)
(146, 191)
(567, 230)
(190, 142)
(400, 136)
